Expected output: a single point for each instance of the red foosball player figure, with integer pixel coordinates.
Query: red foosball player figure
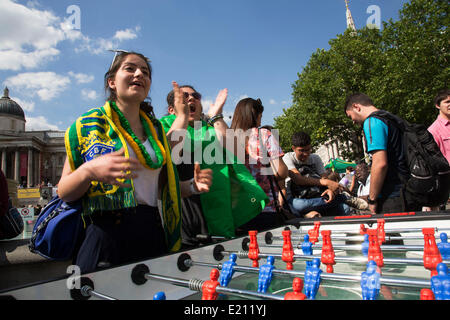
(362, 229)
(253, 248)
(380, 231)
(314, 233)
(296, 294)
(431, 255)
(327, 251)
(209, 286)
(288, 251)
(374, 253)
(426, 294)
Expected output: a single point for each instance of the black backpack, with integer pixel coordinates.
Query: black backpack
(306, 192)
(428, 183)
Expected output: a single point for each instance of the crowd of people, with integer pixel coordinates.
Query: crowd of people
(151, 186)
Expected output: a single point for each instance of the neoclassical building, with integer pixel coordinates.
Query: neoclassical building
(28, 157)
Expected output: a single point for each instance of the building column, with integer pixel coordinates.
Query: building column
(39, 173)
(17, 166)
(30, 168)
(4, 161)
(53, 175)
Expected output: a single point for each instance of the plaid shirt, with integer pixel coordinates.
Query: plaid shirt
(256, 161)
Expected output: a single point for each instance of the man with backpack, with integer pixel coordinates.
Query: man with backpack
(408, 171)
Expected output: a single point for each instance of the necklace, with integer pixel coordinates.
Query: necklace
(124, 127)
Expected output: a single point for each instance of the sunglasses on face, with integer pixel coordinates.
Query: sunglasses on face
(194, 95)
(119, 52)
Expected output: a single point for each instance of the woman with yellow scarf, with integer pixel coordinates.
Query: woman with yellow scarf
(119, 165)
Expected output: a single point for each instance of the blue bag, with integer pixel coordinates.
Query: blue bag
(11, 223)
(57, 230)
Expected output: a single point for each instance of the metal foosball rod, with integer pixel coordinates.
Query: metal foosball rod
(87, 291)
(140, 271)
(355, 247)
(355, 259)
(353, 238)
(392, 230)
(392, 281)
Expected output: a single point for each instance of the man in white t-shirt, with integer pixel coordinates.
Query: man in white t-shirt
(305, 170)
(362, 174)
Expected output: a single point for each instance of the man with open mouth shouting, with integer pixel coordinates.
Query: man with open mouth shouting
(234, 197)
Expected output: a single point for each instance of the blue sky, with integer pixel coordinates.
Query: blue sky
(53, 60)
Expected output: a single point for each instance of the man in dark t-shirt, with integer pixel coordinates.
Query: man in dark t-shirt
(389, 168)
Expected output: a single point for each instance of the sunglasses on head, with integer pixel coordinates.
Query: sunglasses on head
(119, 52)
(194, 95)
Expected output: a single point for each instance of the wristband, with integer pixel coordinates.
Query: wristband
(370, 201)
(215, 118)
(192, 187)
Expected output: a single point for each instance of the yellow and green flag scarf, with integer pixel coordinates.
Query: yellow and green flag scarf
(104, 130)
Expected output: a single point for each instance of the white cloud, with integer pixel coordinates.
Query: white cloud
(27, 45)
(127, 34)
(46, 85)
(81, 77)
(88, 94)
(272, 101)
(39, 123)
(29, 37)
(100, 45)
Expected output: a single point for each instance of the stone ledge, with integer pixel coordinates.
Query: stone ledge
(20, 267)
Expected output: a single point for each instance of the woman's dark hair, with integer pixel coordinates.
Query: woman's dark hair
(246, 114)
(115, 67)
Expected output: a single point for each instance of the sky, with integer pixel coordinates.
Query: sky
(54, 53)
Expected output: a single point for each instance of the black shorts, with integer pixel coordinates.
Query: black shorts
(121, 237)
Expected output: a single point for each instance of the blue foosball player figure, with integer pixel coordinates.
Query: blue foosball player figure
(227, 270)
(307, 248)
(370, 282)
(365, 245)
(444, 246)
(440, 284)
(265, 275)
(312, 279)
(159, 296)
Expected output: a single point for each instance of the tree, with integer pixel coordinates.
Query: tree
(416, 50)
(401, 68)
(323, 85)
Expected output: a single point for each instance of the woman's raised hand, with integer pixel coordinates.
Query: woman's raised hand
(217, 107)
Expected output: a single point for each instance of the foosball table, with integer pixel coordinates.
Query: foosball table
(402, 256)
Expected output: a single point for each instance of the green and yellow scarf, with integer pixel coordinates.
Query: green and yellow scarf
(104, 130)
(235, 197)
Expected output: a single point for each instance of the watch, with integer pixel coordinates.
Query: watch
(370, 201)
(215, 118)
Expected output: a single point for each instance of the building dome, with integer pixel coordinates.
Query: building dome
(10, 107)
